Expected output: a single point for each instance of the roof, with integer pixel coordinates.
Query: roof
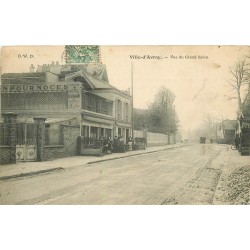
(101, 85)
(93, 82)
(229, 124)
(23, 78)
(97, 83)
(95, 75)
(98, 71)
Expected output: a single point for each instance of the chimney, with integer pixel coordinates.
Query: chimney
(53, 63)
(57, 62)
(32, 68)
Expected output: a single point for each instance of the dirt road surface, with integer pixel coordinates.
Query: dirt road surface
(185, 175)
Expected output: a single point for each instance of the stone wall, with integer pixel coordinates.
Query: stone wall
(54, 152)
(4, 155)
(68, 145)
(156, 139)
(69, 138)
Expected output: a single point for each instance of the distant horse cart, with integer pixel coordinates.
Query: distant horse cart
(140, 143)
(202, 140)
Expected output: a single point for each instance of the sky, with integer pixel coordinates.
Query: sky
(197, 75)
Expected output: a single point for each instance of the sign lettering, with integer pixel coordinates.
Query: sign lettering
(245, 124)
(33, 88)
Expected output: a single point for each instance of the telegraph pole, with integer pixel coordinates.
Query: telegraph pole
(132, 93)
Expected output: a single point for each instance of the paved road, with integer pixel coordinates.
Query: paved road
(186, 175)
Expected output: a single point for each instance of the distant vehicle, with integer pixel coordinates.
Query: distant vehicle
(140, 143)
(202, 140)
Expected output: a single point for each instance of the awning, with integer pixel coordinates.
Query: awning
(125, 125)
(98, 120)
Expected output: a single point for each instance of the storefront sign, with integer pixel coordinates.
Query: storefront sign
(74, 97)
(245, 125)
(33, 88)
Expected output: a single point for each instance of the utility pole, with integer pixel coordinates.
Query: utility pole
(132, 93)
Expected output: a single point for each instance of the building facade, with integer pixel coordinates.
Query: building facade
(73, 92)
(226, 131)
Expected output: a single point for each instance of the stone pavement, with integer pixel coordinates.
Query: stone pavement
(30, 168)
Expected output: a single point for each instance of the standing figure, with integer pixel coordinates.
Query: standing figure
(237, 141)
(115, 144)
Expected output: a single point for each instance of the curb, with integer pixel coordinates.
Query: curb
(141, 153)
(30, 173)
(44, 171)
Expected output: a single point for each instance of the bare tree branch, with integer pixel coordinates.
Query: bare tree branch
(240, 76)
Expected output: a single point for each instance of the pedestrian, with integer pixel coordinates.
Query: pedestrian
(130, 141)
(109, 146)
(115, 144)
(237, 141)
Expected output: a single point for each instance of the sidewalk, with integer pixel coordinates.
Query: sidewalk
(233, 185)
(31, 168)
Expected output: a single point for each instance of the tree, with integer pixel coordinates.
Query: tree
(140, 118)
(240, 76)
(209, 126)
(162, 117)
(246, 104)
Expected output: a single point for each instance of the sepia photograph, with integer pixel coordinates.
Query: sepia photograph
(125, 125)
(129, 119)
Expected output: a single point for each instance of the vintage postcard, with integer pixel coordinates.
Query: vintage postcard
(125, 125)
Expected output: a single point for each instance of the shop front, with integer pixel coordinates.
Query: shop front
(123, 130)
(96, 127)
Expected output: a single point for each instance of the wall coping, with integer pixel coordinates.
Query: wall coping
(72, 126)
(54, 146)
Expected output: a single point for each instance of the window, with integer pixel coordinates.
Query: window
(97, 105)
(126, 111)
(119, 109)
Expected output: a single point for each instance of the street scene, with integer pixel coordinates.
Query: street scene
(125, 125)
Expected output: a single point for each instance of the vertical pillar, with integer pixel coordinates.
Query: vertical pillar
(86, 131)
(89, 131)
(168, 137)
(47, 134)
(40, 137)
(10, 127)
(115, 131)
(98, 133)
(113, 108)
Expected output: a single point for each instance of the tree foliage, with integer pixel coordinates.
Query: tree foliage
(209, 126)
(140, 119)
(162, 117)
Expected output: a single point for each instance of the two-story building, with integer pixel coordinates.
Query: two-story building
(80, 94)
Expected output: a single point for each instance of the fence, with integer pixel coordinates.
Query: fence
(18, 136)
(155, 139)
(2, 137)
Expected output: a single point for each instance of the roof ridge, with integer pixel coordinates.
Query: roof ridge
(94, 77)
